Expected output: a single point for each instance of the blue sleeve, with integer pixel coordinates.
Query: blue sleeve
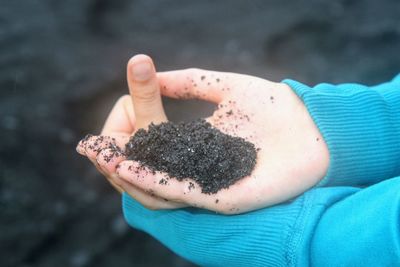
(326, 226)
(361, 230)
(275, 236)
(361, 126)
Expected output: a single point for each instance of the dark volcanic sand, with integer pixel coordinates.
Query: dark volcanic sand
(193, 150)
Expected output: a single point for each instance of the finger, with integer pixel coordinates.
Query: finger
(119, 124)
(106, 175)
(110, 180)
(97, 143)
(116, 187)
(186, 191)
(145, 91)
(81, 147)
(109, 158)
(121, 119)
(107, 161)
(149, 200)
(90, 147)
(193, 83)
(94, 145)
(113, 183)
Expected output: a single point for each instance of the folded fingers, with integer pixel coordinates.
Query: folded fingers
(185, 191)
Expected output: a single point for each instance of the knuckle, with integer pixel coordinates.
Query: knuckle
(146, 95)
(103, 155)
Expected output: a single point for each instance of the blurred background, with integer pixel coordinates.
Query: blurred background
(62, 67)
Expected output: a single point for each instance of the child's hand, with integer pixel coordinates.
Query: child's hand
(293, 155)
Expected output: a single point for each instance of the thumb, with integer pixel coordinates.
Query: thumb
(145, 91)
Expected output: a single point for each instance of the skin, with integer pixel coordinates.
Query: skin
(292, 156)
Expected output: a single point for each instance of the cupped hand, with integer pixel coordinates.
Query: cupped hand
(105, 151)
(292, 154)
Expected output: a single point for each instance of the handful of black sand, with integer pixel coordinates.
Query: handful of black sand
(193, 150)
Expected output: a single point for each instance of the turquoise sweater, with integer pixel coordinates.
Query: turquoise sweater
(351, 218)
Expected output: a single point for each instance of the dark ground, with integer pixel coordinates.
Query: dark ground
(62, 66)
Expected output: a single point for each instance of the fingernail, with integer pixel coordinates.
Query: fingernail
(142, 71)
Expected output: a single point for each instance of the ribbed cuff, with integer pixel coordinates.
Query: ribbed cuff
(267, 237)
(361, 127)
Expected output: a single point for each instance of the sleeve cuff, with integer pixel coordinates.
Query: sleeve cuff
(360, 126)
(276, 236)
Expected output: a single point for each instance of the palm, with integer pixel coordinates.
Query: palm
(292, 156)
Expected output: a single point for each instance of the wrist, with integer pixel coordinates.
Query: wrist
(360, 127)
(315, 152)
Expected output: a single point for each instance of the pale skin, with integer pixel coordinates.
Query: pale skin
(292, 155)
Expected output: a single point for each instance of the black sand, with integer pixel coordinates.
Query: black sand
(193, 150)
